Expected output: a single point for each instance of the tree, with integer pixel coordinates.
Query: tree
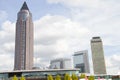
(82, 76)
(91, 77)
(49, 77)
(22, 78)
(74, 77)
(58, 77)
(14, 78)
(67, 77)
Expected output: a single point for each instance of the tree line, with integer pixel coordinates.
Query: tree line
(66, 77)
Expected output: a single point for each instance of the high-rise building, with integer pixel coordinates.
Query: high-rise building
(98, 56)
(24, 40)
(61, 63)
(81, 61)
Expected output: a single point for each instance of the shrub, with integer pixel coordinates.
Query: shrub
(58, 77)
(74, 77)
(91, 77)
(67, 77)
(82, 76)
(49, 77)
(14, 77)
(22, 78)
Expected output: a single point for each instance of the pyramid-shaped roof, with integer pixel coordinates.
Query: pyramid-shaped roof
(24, 7)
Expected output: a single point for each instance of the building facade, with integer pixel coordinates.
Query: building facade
(24, 40)
(61, 63)
(36, 74)
(81, 61)
(98, 56)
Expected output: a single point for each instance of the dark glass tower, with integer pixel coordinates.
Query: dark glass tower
(24, 40)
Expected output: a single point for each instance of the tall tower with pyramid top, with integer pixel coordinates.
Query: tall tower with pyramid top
(24, 40)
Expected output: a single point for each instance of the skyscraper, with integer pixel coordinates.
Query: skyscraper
(81, 61)
(24, 40)
(98, 56)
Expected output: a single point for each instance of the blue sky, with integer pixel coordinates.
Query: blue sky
(62, 27)
(38, 8)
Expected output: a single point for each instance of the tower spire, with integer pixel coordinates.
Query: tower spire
(24, 6)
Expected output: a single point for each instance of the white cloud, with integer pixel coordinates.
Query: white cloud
(6, 62)
(76, 3)
(9, 47)
(119, 72)
(58, 36)
(100, 20)
(112, 64)
(7, 33)
(96, 5)
(99, 16)
(86, 3)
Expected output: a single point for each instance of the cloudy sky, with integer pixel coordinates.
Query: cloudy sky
(62, 27)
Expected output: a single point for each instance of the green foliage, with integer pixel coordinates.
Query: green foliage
(82, 76)
(91, 77)
(74, 77)
(49, 77)
(14, 78)
(22, 78)
(58, 77)
(67, 77)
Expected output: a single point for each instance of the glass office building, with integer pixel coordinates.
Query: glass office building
(61, 63)
(81, 61)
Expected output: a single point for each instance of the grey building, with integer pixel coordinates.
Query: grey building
(81, 61)
(98, 56)
(61, 63)
(24, 40)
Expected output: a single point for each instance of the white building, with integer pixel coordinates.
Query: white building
(61, 63)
